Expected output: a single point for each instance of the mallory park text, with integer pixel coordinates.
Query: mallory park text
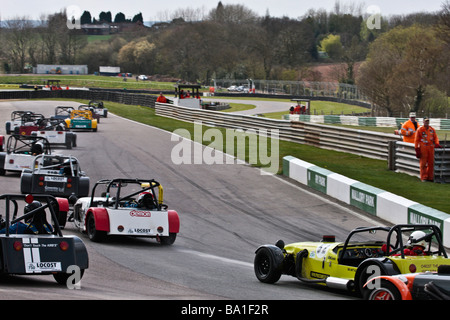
(227, 309)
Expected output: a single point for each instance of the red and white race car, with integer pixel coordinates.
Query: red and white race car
(126, 207)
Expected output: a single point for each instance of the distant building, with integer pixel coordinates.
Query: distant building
(60, 69)
(109, 71)
(99, 29)
(111, 28)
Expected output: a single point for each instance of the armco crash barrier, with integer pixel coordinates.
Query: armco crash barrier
(375, 201)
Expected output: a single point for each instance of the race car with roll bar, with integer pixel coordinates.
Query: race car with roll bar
(413, 286)
(57, 175)
(24, 119)
(99, 108)
(126, 207)
(62, 112)
(81, 119)
(350, 264)
(21, 152)
(56, 132)
(30, 245)
(86, 107)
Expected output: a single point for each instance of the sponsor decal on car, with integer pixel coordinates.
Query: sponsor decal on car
(43, 267)
(55, 179)
(32, 257)
(140, 230)
(53, 189)
(138, 213)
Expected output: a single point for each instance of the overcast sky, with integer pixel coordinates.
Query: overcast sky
(154, 9)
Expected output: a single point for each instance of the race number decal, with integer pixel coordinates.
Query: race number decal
(322, 250)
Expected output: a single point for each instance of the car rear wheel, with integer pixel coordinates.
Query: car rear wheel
(169, 240)
(62, 277)
(386, 291)
(94, 234)
(264, 265)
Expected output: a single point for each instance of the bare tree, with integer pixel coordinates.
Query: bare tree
(18, 36)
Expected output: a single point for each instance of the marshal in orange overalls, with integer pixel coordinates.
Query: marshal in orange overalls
(425, 142)
(409, 129)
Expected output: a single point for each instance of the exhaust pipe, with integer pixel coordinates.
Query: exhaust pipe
(338, 283)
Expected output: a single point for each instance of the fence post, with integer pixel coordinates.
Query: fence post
(391, 154)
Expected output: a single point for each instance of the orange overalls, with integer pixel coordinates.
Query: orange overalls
(408, 131)
(426, 140)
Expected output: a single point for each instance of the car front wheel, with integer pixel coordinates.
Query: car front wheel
(264, 265)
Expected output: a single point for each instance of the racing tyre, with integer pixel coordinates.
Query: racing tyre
(367, 272)
(62, 277)
(264, 265)
(94, 234)
(386, 291)
(169, 240)
(62, 219)
(8, 127)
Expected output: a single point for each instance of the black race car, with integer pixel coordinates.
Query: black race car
(55, 174)
(30, 245)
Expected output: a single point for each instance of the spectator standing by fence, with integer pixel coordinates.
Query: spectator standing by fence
(425, 142)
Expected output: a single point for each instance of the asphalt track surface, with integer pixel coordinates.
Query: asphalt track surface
(226, 212)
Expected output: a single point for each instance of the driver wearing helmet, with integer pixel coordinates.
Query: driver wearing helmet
(145, 200)
(416, 244)
(36, 224)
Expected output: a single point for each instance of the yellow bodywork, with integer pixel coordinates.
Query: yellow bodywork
(81, 115)
(322, 260)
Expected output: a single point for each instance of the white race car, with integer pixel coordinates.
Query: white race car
(56, 133)
(99, 108)
(126, 207)
(21, 152)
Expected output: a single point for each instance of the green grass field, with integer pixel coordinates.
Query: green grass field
(87, 81)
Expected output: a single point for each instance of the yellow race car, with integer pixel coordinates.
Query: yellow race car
(81, 119)
(368, 252)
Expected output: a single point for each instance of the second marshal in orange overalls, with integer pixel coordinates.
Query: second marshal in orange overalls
(425, 142)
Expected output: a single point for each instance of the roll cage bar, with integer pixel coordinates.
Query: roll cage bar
(20, 143)
(119, 183)
(396, 233)
(402, 228)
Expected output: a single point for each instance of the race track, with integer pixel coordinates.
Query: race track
(226, 212)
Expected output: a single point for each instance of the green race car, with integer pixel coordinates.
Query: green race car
(367, 252)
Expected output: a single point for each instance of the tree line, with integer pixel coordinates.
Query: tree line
(404, 59)
(106, 17)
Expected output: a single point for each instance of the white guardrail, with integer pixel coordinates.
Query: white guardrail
(377, 202)
(361, 142)
(375, 145)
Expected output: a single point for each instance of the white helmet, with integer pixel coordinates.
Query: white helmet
(415, 236)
